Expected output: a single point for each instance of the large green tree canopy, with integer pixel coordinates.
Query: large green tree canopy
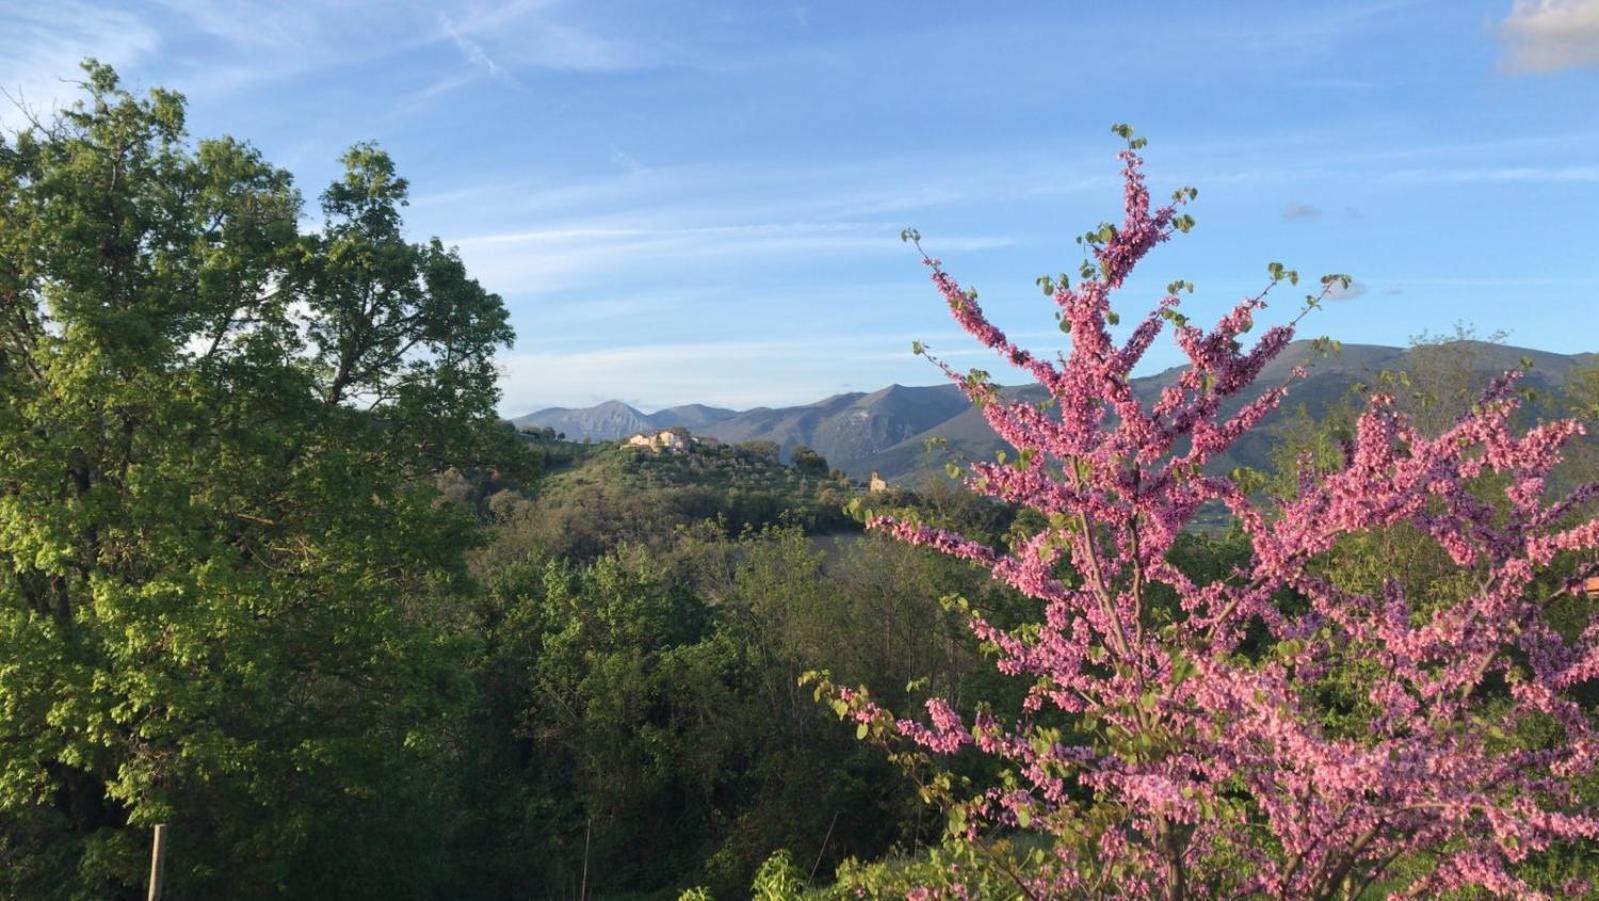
(225, 584)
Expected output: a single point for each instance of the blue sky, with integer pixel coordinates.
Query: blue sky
(701, 201)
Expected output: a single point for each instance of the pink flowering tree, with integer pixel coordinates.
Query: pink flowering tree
(1185, 754)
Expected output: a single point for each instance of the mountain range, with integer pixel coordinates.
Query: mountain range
(614, 420)
(887, 431)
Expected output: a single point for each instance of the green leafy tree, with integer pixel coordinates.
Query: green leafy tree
(225, 586)
(613, 729)
(761, 448)
(809, 462)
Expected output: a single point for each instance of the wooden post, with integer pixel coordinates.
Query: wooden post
(823, 850)
(158, 861)
(588, 830)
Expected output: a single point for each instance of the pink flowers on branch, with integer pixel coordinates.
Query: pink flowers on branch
(1183, 760)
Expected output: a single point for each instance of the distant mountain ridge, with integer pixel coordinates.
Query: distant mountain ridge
(887, 431)
(614, 420)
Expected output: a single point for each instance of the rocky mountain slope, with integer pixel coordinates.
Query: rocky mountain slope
(614, 420)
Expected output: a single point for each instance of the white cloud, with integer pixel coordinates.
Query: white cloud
(1548, 35)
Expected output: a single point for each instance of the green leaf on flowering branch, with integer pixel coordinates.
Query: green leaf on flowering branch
(910, 234)
(955, 602)
(1181, 667)
(862, 730)
(1248, 480)
(918, 348)
(1112, 317)
(1183, 223)
(957, 819)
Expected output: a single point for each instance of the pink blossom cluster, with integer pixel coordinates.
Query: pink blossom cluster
(1197, 768)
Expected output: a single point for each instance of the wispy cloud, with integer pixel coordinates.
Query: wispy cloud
(579, 254)
(550, 34)
(796, 370)
(1340, 293)
(821, 191)
(1297, 210)
(1300, 33)
(1447, 281)
(474, 52)
(41, 45)
(218, 46)
(1513, 174)
(1547, 35)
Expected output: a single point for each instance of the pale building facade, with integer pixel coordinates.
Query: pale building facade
(668, 441)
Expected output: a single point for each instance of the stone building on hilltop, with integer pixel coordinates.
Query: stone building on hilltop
(675, 440)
